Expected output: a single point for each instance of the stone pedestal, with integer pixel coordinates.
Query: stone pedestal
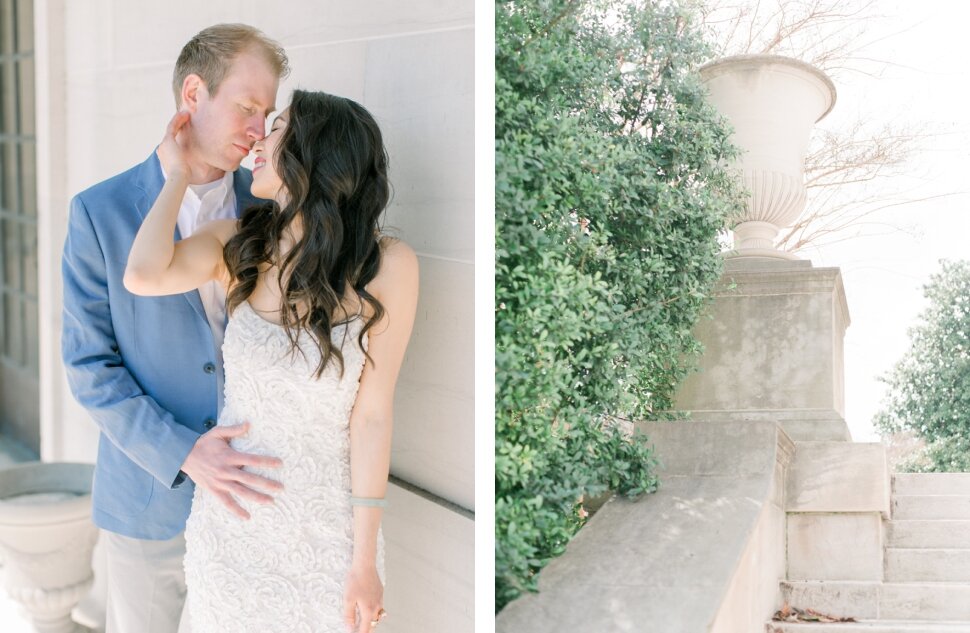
(773, 343)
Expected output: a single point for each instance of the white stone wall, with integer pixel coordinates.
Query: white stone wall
(103, 92)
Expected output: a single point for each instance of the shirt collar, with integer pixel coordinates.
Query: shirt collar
(216, 196)
(220, 192)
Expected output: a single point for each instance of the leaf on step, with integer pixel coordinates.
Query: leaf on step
(785, 614)
(828, 618)
(793, 614)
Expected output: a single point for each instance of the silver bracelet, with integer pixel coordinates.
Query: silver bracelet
(370, 502)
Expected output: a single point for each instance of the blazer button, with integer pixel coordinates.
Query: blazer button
(210, 423)
(209, 368)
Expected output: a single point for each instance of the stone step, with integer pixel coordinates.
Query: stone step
(882, 626)
(931, 507)
(927, 565)
(931, 484)
(939, 534)
(873, 600)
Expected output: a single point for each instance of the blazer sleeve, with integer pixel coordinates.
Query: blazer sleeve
(130, 419)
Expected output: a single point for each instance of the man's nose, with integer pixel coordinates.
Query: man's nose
(256, 128)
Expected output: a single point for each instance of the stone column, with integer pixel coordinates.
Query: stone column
(774, 342)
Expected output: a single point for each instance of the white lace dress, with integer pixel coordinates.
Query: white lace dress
(284, 569)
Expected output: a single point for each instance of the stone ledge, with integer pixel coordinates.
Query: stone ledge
(801, 425)
(671, 561)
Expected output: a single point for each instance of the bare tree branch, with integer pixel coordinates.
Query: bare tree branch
(823, 33)
(851, 173)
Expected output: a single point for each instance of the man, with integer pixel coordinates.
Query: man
(149, 369)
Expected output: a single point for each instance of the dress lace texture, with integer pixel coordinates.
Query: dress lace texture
(284, 569)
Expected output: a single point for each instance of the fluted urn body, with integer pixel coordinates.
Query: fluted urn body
(772, 102)
(46, 540)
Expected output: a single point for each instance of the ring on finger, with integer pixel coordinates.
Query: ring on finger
(377, 619)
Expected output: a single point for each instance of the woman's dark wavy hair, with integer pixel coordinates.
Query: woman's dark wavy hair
(332, 162)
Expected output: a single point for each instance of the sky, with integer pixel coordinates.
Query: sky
(927, 83)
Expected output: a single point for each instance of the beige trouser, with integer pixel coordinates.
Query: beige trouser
(145, 585)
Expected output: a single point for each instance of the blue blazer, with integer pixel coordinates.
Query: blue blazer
(143, 367)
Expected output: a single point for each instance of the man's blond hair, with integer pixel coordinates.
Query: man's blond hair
(211, 52)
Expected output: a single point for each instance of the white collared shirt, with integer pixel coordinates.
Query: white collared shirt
(204, 203)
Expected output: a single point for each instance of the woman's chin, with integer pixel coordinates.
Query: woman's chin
(260, 192)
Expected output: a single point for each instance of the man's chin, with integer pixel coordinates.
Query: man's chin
(232, 165)
(227, 161)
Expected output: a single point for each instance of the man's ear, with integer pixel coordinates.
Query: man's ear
(193, 91)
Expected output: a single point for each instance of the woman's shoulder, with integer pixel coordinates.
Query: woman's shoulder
(396, 249)
(398, 269)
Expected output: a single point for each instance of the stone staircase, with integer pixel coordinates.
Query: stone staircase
(926, 568)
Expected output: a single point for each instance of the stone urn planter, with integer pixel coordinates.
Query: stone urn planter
(46, 540)
(772, 102)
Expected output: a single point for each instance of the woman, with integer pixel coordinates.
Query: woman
(321, 309)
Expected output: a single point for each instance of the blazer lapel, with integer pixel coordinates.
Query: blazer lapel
(242, 182)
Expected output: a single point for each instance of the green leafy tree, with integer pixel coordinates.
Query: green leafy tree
(611, 192)
(929, 388)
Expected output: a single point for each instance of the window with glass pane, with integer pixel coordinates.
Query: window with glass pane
(18, 188)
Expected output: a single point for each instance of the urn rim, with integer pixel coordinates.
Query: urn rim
(724, 65)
